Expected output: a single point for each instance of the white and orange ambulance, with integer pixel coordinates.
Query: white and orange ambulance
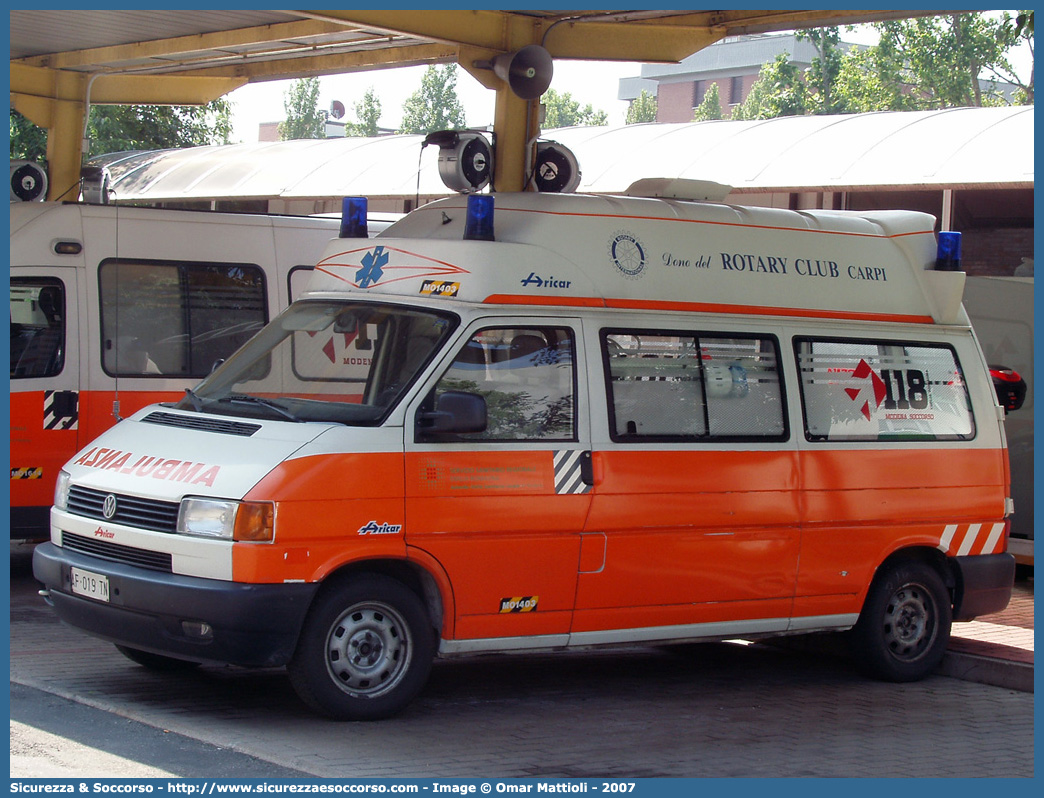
(115, 307)
(518, 422)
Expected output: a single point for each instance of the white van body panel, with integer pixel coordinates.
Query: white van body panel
(53, 416)
(612, 420)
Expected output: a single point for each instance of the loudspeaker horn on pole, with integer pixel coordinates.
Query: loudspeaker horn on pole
(527, 71)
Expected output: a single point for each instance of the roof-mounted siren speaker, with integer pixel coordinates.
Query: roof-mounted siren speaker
(465, 159)
(95, 184)
(556, 169)
(527, 72)
(28, 182)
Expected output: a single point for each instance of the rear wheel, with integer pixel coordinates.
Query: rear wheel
(904, 628)
(156, 662)
(365, 650)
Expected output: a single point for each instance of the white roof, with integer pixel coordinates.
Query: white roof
(645, 253)
(955, 148)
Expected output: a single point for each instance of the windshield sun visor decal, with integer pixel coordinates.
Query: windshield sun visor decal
(381, 265)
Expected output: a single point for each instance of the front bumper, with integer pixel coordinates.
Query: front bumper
(984, 585)
(254, 625)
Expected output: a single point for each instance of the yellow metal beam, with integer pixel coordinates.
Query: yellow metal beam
(608, 41)
(274, 35)
(476, 28)
(385, 58)
(105, 88)
(58, 99)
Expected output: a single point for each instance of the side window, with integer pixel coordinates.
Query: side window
(527, 378)
(685, 386)
(882, 390)
(177, 319)
(37, 327)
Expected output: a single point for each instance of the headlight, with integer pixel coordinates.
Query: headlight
(226, 520)
(61, 491)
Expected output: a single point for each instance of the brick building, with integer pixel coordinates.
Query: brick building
(733, 63)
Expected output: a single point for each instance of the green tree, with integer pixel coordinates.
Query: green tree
(434, 106)
(1020, 31)
(304, 120)
(123, 128)
(641, 109)
(918, 64)
(937, 62)
(368, 112)
(940, 59)
(28, 141)
(869, 82)
(710, 108)
(822, 75)
(561, 110)
(779, 91)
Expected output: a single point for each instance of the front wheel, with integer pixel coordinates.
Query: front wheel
(904, 628)
(365, 650)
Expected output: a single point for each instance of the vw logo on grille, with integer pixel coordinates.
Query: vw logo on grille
(109, 507)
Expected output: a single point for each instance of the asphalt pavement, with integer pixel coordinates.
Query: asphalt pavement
(709, 710)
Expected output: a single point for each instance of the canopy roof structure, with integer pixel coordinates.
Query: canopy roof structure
(62, 61)
(956, 148)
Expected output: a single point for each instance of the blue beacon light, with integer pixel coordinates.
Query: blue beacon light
(478, 224)
(353, 218)
(948, 258)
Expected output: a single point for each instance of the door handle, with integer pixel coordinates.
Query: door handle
(587, 469)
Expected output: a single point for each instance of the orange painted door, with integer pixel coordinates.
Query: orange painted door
(696, 504)
(501, 509)
(690, 537)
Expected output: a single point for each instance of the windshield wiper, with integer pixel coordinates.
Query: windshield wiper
(243, 398)
(197, 403)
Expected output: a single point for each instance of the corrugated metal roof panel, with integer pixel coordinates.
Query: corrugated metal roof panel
(985, 147)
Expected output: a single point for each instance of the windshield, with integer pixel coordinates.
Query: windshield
(325, 360)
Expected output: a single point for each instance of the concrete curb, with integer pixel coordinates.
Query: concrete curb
(987, 670)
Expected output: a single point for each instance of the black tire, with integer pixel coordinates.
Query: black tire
(904, 628)
(156, 662)
(365, 650)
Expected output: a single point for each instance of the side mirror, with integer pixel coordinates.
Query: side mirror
(1010, 387)
(455, 412)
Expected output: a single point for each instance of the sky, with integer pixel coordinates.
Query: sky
(589, 82)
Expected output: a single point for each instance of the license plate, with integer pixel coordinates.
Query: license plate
(85, 583)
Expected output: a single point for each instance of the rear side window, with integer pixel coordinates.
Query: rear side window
(882, 390)
(680, 386)
(177, 319)
(37, 327)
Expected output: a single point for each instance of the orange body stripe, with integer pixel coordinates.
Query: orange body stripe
(701, 307)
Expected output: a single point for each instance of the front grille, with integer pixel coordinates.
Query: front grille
(205, 424)
(103, 549)
(130, 510)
